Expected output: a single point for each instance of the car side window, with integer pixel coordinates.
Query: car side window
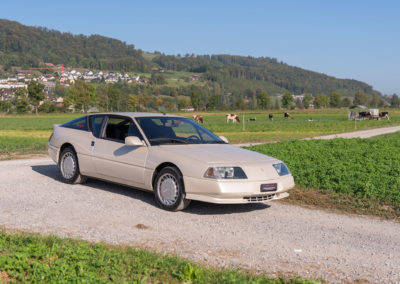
(79, 123)
(96, 121)
(118, 128)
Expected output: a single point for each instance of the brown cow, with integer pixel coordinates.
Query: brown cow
(198, 118)
(233, 117)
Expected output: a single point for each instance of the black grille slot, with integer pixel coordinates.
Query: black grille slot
(260, 198)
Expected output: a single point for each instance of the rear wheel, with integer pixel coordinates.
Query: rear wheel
(169, 190)
(69, 167)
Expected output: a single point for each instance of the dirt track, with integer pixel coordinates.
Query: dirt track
(274, 238)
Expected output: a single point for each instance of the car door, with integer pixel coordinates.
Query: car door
(112, 158)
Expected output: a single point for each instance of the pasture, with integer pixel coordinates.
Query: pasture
(29, 133)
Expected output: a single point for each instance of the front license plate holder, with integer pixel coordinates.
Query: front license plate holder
(268, 187)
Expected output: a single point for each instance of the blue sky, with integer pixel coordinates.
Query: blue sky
(348, 39)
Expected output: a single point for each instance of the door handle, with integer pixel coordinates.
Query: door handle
(92, 143)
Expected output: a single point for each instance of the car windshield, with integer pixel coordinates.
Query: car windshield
(176, 130)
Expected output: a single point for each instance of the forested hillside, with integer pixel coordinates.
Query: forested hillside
(28, 47)
(224, 68)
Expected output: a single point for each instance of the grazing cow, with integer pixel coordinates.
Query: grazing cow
(252, 119)
(271, 117)
(384, 114)
(286, 115)
(310, 119)
(233, 117)
(198, 118)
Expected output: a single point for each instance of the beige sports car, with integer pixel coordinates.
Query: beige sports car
(173, 156)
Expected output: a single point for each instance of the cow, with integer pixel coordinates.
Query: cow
(233, 117)
(198, 118)
(286, 115)
(310, 119)
(384, 114)
(271, 117)
(252, 119)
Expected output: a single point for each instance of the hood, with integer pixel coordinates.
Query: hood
(217, 154)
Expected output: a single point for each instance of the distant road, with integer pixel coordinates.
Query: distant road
(355, 134)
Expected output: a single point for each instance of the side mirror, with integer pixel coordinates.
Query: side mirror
(133, 141)
(223, 138)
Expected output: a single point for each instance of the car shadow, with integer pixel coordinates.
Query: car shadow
(195, 207)
(51, 171)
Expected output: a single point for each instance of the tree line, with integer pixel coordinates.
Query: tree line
(122, 96)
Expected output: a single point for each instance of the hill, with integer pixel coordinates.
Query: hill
(31, 46)
(26, 46)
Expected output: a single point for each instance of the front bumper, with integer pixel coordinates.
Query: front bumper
(236, 191)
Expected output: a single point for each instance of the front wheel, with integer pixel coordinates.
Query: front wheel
(169, 190)
(69, 167)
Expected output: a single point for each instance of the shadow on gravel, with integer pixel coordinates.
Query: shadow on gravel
(50, 171)
(195, 207)
(204, 208)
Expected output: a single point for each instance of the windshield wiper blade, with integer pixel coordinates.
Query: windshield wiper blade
(216, 142)
(172, 140)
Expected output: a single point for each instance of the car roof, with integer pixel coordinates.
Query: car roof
(136, 114)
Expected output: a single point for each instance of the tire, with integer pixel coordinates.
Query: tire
(69, 167)
(169, 190)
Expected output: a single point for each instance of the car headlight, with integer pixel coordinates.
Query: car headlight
(281, 169)
(225, 173)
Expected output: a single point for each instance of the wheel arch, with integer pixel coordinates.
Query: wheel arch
(63, 146)
(164, 165)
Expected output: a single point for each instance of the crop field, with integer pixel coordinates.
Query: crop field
(37, 259)
(366, 170)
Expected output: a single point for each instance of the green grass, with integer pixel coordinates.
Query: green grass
(363, 170)
(264, 130)
(37, 259)
(37, 128)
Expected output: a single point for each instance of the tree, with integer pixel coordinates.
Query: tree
(195, 99)
(169, 105)
(132, 101)
(395, 101)
(361, 98)
(81, 95)
(376, 100)
(35, 94)
(214, 101)
(157, 79)
(287, 101)
(335, 100)
(346, 102)
(183, 103)
(321, 100)
(263, 100)
(307, 100)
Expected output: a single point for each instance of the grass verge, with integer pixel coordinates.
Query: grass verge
(341, 203)
(49, 259)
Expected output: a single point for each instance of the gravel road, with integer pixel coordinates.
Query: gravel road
(354, 134)
(276, 238)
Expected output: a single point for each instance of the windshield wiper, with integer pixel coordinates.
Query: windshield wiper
(216, 142)
(166, 139)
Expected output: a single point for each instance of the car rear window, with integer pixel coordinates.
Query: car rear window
(79, 123)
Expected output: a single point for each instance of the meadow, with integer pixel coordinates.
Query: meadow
(29, 133)
(28, 258)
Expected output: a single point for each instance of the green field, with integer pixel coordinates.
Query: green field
(364, 172)
(28, 134)
(36, 259)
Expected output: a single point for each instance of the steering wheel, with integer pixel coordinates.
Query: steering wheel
(193, 137)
